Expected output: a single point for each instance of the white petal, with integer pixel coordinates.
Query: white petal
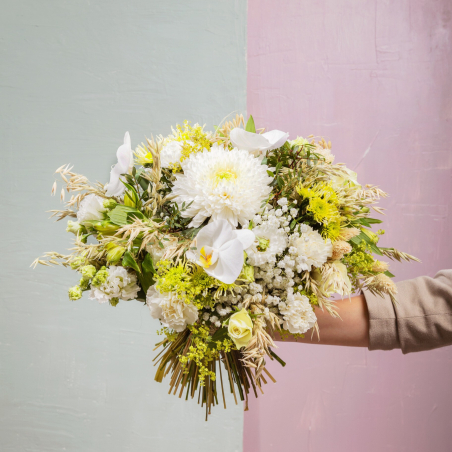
(215, 234)
(229, 264)
(276, 138)
(125, 159)
(246, 237)
(192, 256)
(124, 154)
(248, 141)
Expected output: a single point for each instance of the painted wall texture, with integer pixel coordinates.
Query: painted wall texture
(373, 76)
(77, 376)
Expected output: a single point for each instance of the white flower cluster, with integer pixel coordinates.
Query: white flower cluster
(172, 312)
(119, 284)
(311, 248)
(278, 257)
(297, 312)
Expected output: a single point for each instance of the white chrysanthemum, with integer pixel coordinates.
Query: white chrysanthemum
(222, 184)
(297, 312)
(172, 312)
(91, 208)
(312, 249)
(171, 154)
(270, 241)
(119, 284)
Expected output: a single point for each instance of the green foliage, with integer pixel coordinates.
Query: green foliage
(250, 126)
(129, 261)
(124, 215)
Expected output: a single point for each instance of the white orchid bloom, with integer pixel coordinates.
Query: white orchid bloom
(220, 250)
(125, 162)
(257, 143)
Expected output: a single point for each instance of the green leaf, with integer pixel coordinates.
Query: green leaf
(357, 239)
(278, 167)
(373, 221)
(270, 173)
(191, 232)
(129, 261)
(148, 265)
(144, 183)
(388, 273)
(375, 249)
(219, 335)
(123, 215)
(250, 127)
(147, 276)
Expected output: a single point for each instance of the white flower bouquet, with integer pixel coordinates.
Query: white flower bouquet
(229, 237)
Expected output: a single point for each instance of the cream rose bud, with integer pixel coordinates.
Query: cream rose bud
(240, 328)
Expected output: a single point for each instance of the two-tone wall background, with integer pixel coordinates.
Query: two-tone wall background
(373, 76)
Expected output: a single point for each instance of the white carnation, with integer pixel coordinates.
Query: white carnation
(119, 284)
(313, 250)
(298, 315)
(269, 242)
(171, 154)
(171, 311)
(157, 252)
(91, 208)
(222, 184)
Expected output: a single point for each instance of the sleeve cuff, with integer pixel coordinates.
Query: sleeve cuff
(383, 334)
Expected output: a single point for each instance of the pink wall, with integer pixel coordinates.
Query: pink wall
(374, 77)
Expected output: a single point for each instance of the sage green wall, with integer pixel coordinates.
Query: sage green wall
(75, 75)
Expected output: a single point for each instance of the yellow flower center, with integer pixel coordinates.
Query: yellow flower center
(228, 175)
(205, 260)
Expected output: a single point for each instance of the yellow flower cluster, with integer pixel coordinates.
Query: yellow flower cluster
(202, 353)
(323, 205)
(192, 138)
(190, 283)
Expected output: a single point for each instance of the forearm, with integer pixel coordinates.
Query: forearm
(351, 329)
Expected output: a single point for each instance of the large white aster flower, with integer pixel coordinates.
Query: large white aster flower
(91, 208)
(297, 312)
(257, 143)
(119, 284)
(270, 241)
(219, 250)
(221, 184)
(313, 250)
(125, 162)
(171, 311)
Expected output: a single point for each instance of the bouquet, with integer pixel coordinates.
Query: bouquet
(229, 237)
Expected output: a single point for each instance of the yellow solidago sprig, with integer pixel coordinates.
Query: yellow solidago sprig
(189, 283)
(193, 138)
(202, 353)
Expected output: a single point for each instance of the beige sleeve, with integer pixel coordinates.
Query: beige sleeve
(421, 319)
